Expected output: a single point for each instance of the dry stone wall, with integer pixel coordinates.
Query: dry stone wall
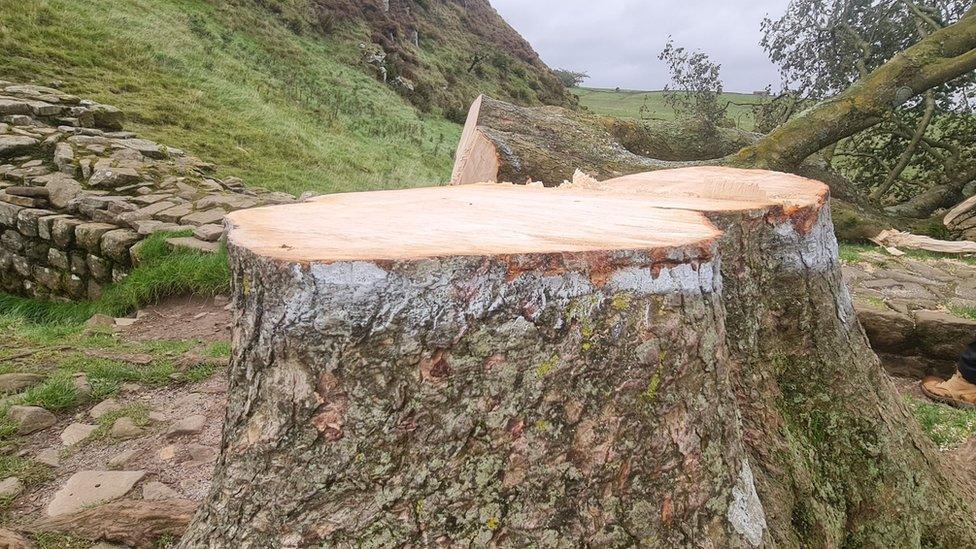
(78, 194)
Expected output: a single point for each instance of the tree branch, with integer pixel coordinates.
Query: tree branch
(936, 59)
(909, 152)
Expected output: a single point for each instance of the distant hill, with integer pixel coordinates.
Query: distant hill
(287, 94)
(650, 104)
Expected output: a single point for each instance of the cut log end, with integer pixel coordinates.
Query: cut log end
(476, 159)
(470, 220)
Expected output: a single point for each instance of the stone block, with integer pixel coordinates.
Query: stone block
(8, 214)
(89, 235)
(58, 259)
(63, 231)
(94, 290)
(99, 268)
(44, 225)
(23, 201)
(12, 241)
(75, 287)
(190, 243)
(21, 265)
(27, 221)
(35, 250)
(209, 233)
(79, 264)
(48, 278)
(174, 214)
(207, 217)
(115, 244)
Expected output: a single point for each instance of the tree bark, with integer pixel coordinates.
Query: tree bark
(675, 363)
(817, 410)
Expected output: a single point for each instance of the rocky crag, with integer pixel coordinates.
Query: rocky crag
(78, 194)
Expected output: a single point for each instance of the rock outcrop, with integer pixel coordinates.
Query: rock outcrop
(78, 194)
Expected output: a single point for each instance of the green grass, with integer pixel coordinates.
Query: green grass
(60, 349)
(28, 471)
(139, 413)
(162, 272)
(233, 85)
(48, 540)
(947, 427)
(220, 349)
(56, 393)
(852, 253)
(965, 312)
(629, 104)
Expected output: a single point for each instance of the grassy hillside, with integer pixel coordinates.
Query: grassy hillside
(629, 104)
(244, 85)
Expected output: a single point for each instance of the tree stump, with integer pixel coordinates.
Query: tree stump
(669, 359)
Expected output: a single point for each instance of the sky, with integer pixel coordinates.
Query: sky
(617, 41)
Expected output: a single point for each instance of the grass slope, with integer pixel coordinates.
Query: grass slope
(628, 104)
(234, 86)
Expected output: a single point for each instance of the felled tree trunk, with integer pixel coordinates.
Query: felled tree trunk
(505, 142)
(665, 360)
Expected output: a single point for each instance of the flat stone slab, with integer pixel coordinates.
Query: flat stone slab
(190, 243)
(18, 381)
(86, 488)
(76, 432)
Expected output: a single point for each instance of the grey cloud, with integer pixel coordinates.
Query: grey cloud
(617, 41)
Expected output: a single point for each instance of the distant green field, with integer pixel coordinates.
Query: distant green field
(629, 104)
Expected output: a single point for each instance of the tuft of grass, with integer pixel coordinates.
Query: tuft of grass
(965, 312)
(49, 540)
(139, 413)
(927, 255)
(877, 302)
(56, 393)
(947, 427)
(851, 253)
(220, 349)
(162, 272)
(30, 473)
(200, 372)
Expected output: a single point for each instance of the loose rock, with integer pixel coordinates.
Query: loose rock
(187, 426)
(10, 383)
(124, 427)
(76, 432)
(106, 406)
(30, 419)
(157, 491)
(10, 487)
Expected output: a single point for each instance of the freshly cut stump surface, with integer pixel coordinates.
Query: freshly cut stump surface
(630, 364)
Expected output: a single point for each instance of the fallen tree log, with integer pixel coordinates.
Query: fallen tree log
(667, 359)
(505, 142)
